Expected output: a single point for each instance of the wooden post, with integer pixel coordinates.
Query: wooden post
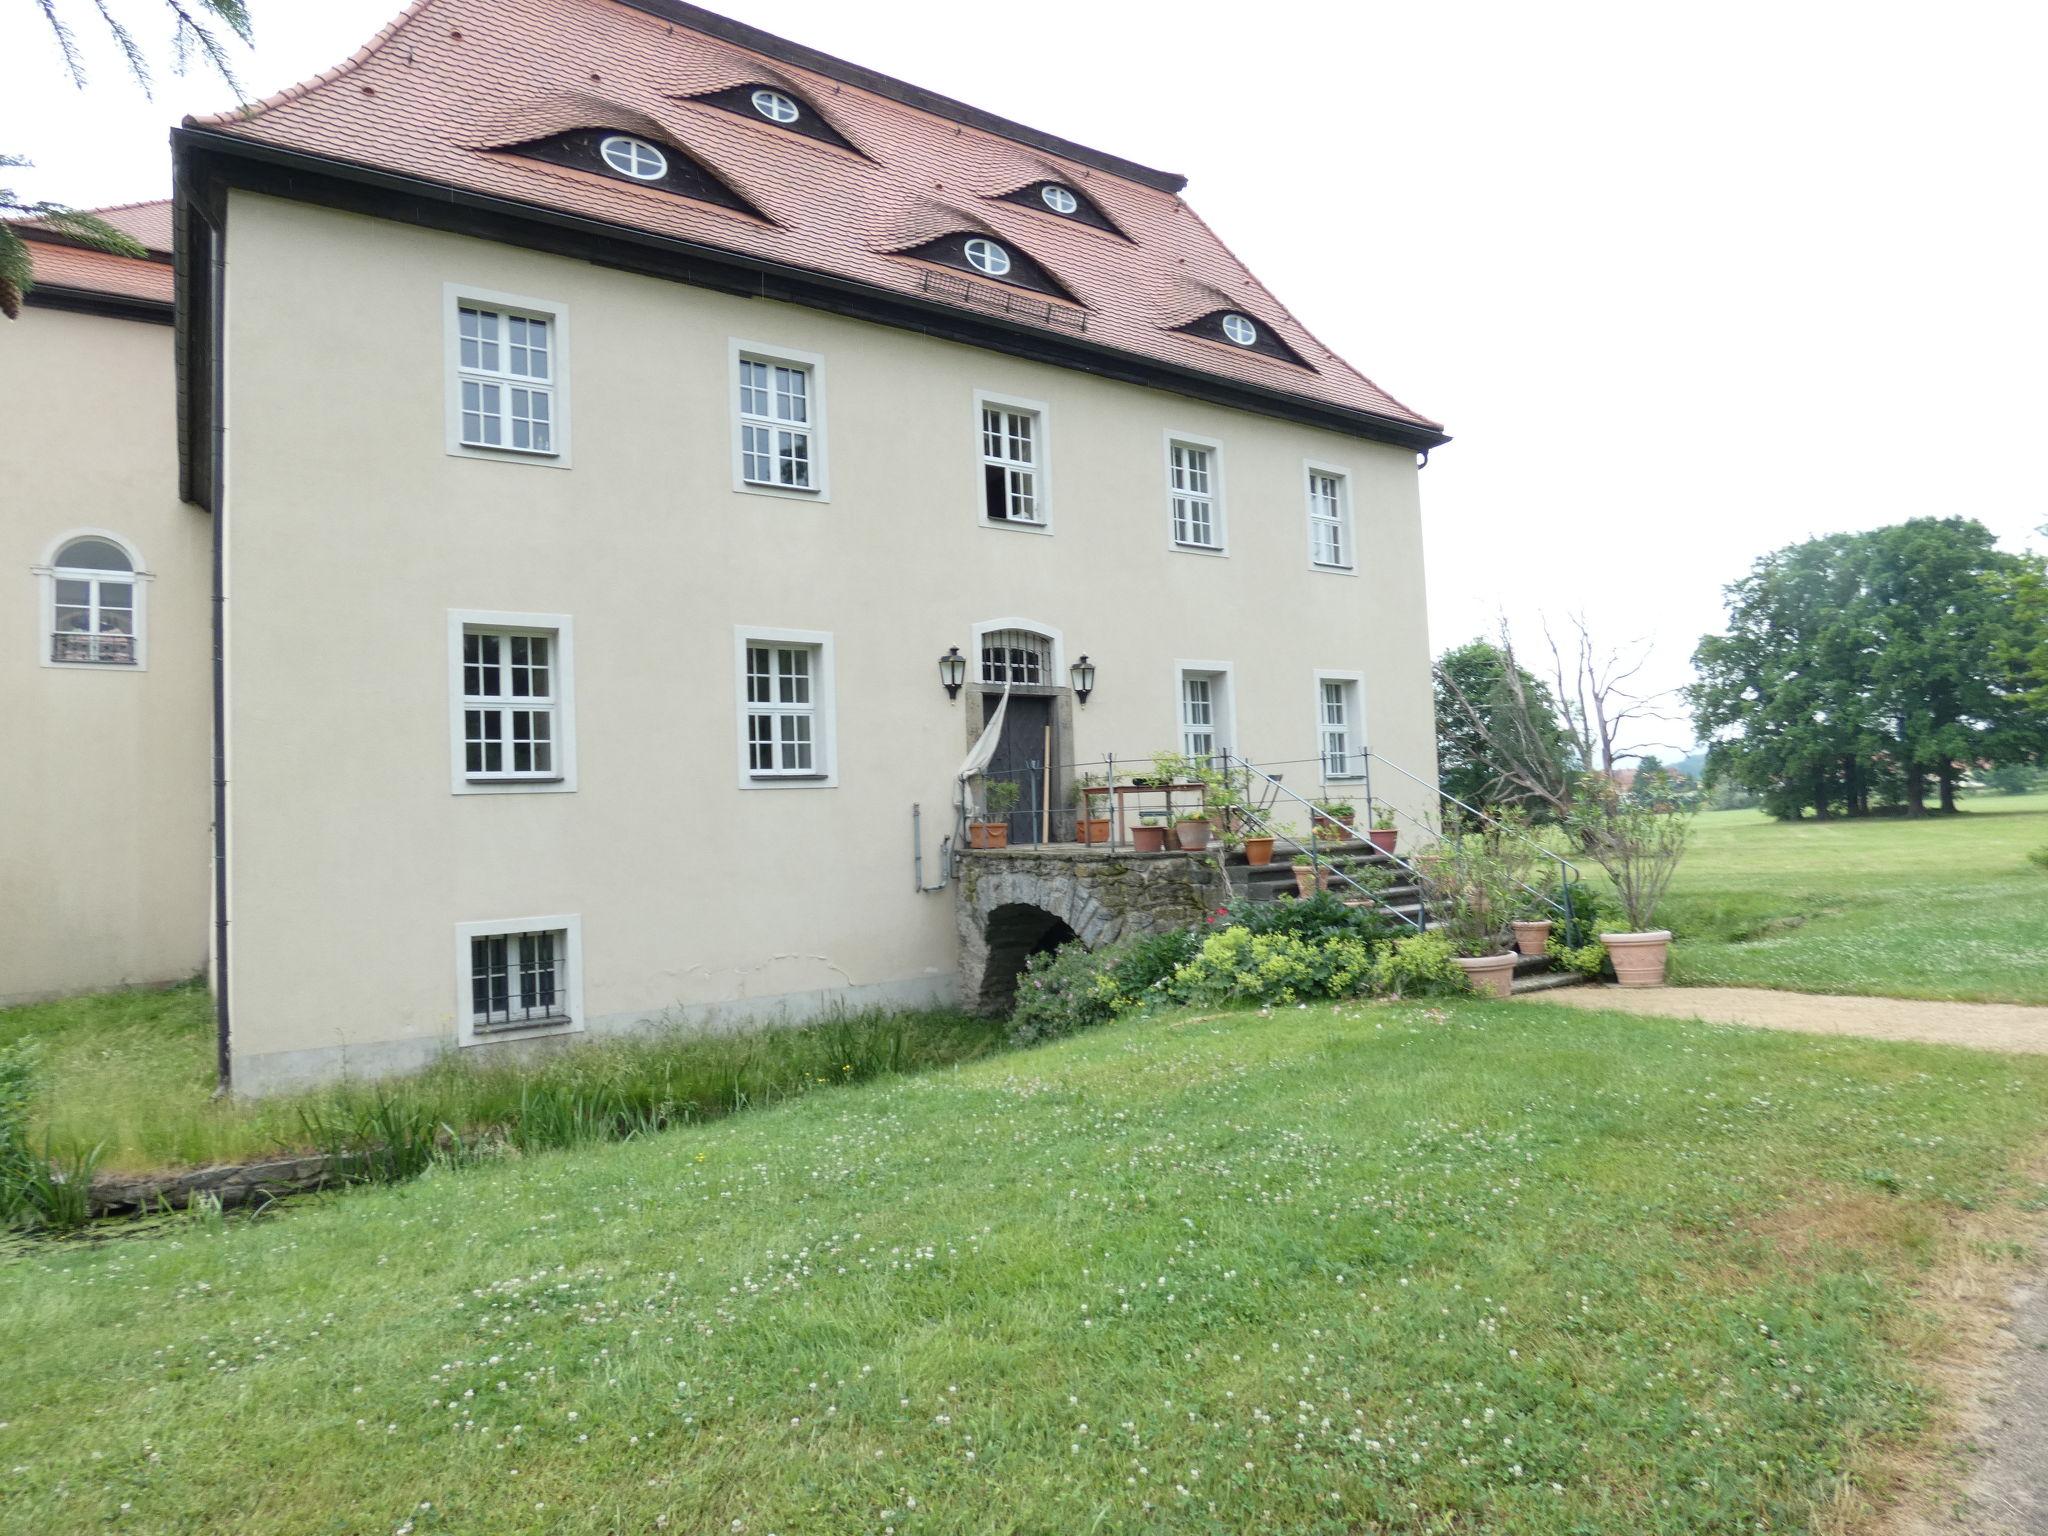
(1045, 793)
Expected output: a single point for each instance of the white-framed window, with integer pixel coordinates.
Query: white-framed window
(1058, 198)
(1330, 544)
(511, 701)
(1340, 724)
(1014, 458)
(1019, 657)
(1194, 493)
(633, 157)
(93, 603)
(508, 369)
(518, 977)
(778, 422)
(1207, 709)
(1240, 329)
(986, 256)
(776, 107)
(786, 707)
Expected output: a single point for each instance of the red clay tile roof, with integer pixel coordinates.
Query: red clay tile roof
(449, 89)
(60, 263)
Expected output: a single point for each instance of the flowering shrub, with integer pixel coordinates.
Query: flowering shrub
(1421, 965)
(1072, 989)
(1237, 965)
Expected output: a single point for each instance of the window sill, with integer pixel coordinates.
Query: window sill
(496, 778)
(787, 778)
(1015, 524)
(550, 1021)
(1217, 550)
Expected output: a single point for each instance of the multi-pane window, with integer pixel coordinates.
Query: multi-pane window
(1015, 656)
(1329, 520)
(782, 710)
(1010, 461)
(518, 980)
(510, 705)
(1337, 714)
(775, 424)
(1193, 474)
(506, 372)
(1198, 716)
(92, 612)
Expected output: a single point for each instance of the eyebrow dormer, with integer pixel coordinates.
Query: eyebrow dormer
(991, 257)
(774, 106)
(637, 159)
(1242, 332)
(1064, 200)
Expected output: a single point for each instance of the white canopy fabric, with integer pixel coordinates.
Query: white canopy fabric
(985, 748)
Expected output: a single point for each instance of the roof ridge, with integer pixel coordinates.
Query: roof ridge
(1329, 352)
(250, 109)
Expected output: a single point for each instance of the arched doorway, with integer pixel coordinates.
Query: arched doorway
(1023, 659)
(1014, 933)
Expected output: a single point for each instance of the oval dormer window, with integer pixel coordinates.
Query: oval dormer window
(987, 256)
(776, 107)
(1240, 329)
(1058, 198)
(634, 157)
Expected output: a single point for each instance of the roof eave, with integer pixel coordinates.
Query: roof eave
(97, 301)
(210, 157)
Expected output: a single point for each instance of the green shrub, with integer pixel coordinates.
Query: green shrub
(1322, 915)
(40, 1188)
(1420, 965)
(1588, 959)
(1237, 965)
(1061, 992)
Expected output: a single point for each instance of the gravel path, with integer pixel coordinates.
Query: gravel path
(1989, 1026)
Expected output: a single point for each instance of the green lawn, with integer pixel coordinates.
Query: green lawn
(1947, 907)
(1341, 1269)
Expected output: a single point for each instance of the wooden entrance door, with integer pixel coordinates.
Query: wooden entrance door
(1021, 758)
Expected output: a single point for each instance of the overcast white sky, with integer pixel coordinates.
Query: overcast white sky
(1685, 283)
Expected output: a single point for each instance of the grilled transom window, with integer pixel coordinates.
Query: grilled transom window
(775, 424)
(509, 705)
(1194, 496)
(782, 710)
(506, 371)
(1009, 465)
(518, 980)
(1015, 656)
(92, 618)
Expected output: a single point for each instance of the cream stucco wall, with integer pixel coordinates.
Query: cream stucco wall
(352, 533)
(104, 772)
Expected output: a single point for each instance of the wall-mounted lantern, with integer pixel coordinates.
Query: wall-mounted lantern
(953, 671)
(1083, 672)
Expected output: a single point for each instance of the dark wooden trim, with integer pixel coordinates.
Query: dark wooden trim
(88, 301)
(710, 24)
(209, 162)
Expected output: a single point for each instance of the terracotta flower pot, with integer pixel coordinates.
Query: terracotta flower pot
(1532, 938)
(1193, 835)
(1147, 838)
(1383, 838)
(1258, 851)
(1309, 879)
(1639, 958)
(988, 834)
(1092, 829)
(1489, 975)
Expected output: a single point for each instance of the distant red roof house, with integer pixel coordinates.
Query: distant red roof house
(491, 117)
(69, 275)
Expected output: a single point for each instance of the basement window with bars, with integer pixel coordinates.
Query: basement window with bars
(1012, 461)
(509, 705)
(519, 981)
(506, 370)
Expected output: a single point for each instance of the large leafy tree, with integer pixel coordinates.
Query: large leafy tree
(1858, 666)
(1498, 730)
(197, 28)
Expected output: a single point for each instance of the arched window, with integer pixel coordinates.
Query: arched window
(92, 604)
(1017, 656)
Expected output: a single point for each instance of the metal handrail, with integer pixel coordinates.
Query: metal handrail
(1418, 922)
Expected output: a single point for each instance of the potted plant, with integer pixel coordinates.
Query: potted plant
(1639, 845)
(1471, 888)
(1383, 834)
(1310, 876)
(1148, 837)
(992, 828)
(1532, 935)
(1258, 846)
(1192, 830)
(1090, 826)
(1339, 814)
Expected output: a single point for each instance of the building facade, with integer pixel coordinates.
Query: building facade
(605, 433)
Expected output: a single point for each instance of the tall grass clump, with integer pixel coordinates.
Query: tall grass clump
(47, 1188)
